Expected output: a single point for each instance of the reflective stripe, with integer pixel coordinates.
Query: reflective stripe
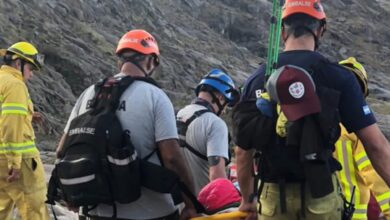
(360, 155)
(77, 180)
(385, 205)
(363, 161)
(24, 147)
(122, 162)
(360, 212)
(10, 104)
(384, 201)
(347, 174)
(13, 108)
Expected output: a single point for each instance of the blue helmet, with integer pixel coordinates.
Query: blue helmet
(221, 82)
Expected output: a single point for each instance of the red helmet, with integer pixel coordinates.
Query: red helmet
(140, 41)
(312, 8)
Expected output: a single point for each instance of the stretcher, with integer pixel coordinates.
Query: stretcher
(235, 215)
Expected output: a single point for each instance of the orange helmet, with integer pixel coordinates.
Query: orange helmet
(140, 41)
(312, 8)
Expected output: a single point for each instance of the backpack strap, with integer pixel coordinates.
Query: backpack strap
(183, 130)
(109, 91)
(202, 102)
(194, 151)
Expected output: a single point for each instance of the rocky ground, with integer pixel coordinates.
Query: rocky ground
(79, 38)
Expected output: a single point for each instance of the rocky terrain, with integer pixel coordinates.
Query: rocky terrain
(79, 39)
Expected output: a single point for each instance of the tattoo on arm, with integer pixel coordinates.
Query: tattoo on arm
(213, 160)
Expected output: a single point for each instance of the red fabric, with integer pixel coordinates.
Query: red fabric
(218, 194)
(233, 173)
(373, 210)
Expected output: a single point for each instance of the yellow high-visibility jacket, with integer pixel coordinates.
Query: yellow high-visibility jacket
(357, 171)
(16, 131)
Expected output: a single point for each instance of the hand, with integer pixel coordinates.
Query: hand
(250, 208)
(38, 118)
(13, 175)
(188, 213)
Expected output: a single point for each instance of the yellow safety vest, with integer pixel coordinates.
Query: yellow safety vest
(16, 132)
(357, 171)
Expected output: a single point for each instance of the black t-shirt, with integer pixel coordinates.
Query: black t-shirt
(353, 109)
(354, 112)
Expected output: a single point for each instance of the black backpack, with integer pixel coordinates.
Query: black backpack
(98, 162)
(305, 154)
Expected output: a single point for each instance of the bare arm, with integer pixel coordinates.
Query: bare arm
(245, 180)
(244, 172)
(378, 150)
(173, 160)
(217, 167)
(60, 144)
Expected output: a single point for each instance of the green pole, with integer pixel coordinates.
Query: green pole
(274, 37)
(271, 39)
(278, 30)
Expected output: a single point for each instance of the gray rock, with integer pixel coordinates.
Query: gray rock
(79, 39)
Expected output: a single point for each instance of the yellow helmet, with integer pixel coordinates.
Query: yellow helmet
(27, 52)
(358, 69)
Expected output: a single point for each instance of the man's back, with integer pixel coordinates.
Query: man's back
(331, 76)
(208, 135)
(148, 114)
(352, 104)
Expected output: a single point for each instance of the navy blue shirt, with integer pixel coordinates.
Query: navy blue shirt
(354, 111)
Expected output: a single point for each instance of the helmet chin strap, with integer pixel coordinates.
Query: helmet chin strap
(216, 101)
(22, 63)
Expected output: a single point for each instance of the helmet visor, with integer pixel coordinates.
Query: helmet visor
(39, 60)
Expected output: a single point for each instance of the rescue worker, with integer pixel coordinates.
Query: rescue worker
(148, 114)
(358, 176)
(22, 181)
(295, 185)
(205, 137)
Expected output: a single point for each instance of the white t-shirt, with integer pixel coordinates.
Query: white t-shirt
(208, 134)
(148, 114)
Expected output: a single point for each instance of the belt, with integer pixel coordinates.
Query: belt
(173, 216)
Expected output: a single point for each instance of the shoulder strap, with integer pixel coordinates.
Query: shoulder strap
(195, 115)
(124, 83)
(187, 123)
(202, 102)
(194, 151)
(109, 90)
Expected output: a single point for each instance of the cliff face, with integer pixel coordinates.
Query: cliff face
(79, 39)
